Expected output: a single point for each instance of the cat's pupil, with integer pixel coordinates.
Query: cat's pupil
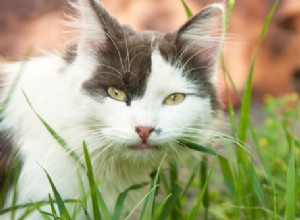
(117, 93)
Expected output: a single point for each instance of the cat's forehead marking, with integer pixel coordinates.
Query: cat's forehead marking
(126, 63)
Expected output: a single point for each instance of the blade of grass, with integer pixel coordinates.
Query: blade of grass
(15, 191)
(83, 195)
(291, 185)
(227, 174)
(230, 107)
(188, 11)
(173, 204)
(228, 13)
(291, 200)
(190, 181)
(227, 74)
(275, 216)
(164, 183)
(246, 99)
(175, 190)
(170, 207)
(147, 211)
(158, 210)
(141, 201)
(242, 157)
(28, 211)
(55, 135)
(97, 200)
(121, 200)
(203, 180)
(200, 148)
(32, 204)
(257, 187)
(76, 209)
(60, 203)
(52, 207)
(195, 208)
(45, 215)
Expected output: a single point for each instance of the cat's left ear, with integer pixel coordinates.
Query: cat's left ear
(202, 36)
(96, 25)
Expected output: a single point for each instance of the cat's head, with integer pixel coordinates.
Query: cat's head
(150, 92)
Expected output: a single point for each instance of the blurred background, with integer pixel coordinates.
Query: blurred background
(37, 24)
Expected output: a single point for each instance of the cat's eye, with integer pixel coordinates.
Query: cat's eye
(174, 99)
(117, 94)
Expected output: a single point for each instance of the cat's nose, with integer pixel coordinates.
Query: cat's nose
(144, 132)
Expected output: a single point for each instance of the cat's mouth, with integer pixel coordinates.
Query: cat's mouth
(143, 146)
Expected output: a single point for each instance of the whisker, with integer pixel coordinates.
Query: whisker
(110, 67)
(127, 52)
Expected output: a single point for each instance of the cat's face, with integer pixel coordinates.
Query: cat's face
(152, 91)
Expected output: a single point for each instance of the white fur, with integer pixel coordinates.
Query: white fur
(55, 94)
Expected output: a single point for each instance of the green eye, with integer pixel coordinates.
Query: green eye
(174, 99)
(117, 94)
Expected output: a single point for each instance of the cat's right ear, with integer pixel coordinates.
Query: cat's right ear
(95, 24)
(202, 36)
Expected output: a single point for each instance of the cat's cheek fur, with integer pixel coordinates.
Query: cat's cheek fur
(194, 111)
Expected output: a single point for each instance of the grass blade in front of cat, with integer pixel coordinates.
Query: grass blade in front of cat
(190, 181)
(60, 203)
(292, 177)
(174, 201)
(83, 196)
(160, 208)
(200, 148)
(139, 203)
(55, 217)
(55, 135)
(196, 207)
(44, 214)
(33, 205)
(15, 190)
(29, 210)
(290, 208)
(172, 206)
(203, 180)
(147, 212)
(227, 174)
(98, 204)
(121, 200)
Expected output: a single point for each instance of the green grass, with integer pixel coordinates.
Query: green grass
(262, 185)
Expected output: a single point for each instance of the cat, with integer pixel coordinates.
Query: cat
(131, 97)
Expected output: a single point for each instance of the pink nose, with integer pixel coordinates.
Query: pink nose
(144, 132)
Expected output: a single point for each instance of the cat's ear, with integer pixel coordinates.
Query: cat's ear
(95, 24)
(202, 36)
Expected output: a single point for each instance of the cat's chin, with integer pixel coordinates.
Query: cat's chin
(143, 146)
